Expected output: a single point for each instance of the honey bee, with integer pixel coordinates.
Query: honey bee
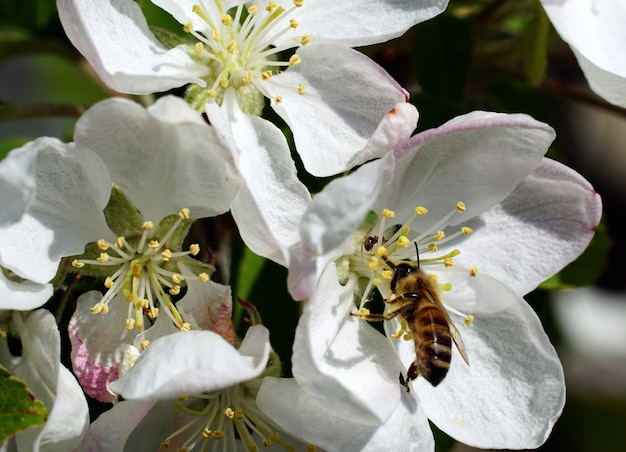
(416, 300)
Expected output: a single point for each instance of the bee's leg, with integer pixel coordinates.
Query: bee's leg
(411, 374)
(369, 317)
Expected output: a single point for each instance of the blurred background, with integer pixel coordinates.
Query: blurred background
(498, 55)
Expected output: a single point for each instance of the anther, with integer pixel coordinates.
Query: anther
(102, 244)
(166, 255)
(147, 226)
(301, 89)
(144, 344)
(469, 319)
(104, 257)
(432, 247)
(130, 323)
(403, 241)
(421, 211)
(185, 327)
(293, 24)
(203, 277)
(154, 244)
(194, 249)
(373, 263)
(467, 230)
(266, 75)
(298, 3)
(227, 19)
(77, 264)
(448, 262)
(460, 206)
(473, 271)
(253, 9)
(439, 235)
(175, 290)
(388, 213)
(294, 59)
(199, 47)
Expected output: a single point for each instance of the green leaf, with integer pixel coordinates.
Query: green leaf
(535, 46)
(18, 408)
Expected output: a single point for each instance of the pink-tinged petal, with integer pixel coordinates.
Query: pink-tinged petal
(595, 32)
(72, 189)
(22, 296)
(407, 429)
(340, 360)
(191, 362)
(182, 162)
(111, 430)
(513, 390)
(477, 158)
(98, 344)
(371, 22)
(347, 96)
(116, 40)
(547, 221)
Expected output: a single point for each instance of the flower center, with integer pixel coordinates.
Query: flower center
(240, 46)
(143, 270)
(217, 419)
(383, 242)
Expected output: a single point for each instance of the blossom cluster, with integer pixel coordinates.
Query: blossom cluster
(462, 220)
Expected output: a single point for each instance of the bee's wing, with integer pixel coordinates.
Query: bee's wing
(454, 332)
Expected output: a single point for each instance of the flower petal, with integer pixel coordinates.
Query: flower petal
(347, 96)
(341, 361)
(22, 296)
(17, 183)
(407, 429)
(191, 362)
(73, 187)
(548, 220)
(513, 391)
(116, 40)
(477, 158)
(162, 164)
(370, 23)
(595, 33)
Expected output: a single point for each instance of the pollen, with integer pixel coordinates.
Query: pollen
(432, 247)
(469, 320)
(473, 271)
(293, 24)
(294, 59)
(266, 75)
(460, 206)
(373, 263)
(388, 213)
(305, 40)
(227, 19)
(301, 89)
(203, 277)
(466, 230)
(439, 235)
(102, 244)
(421, 211)
(298, 3)
(448, 262)
(403, 241)
(147, 226)
(144, 345)
(194, 249)
(387, 275)
(77, 264)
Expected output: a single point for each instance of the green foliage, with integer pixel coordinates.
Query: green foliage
(19, 410)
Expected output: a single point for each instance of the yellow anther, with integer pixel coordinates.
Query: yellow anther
(298, 3)
(217, 36)
(432, 247)
(224, 82)
(144, 303)
(177, 279)
(218, 434)
(199, 47)
(301, 89)
(108, 282)
(147, 225)
(194, 249)
(229, 413)
(460, 206)
(473, 271)
(398, 334)
(96, 308)
(174, 290)
(104, 257)
(275, 436)
(448, 262)
(188, 27)
(266, 75)
(433, 277)
(130, 323)
(137, 270)
(206, 433)
(77, 264)
(387, 274)
(102, 244)
(105, 308)
(447, 287)
(239, 414)
(469, 319)
(247, 79)
(421, 211)
(227, 19)
(166, 255)
(184, 213)
(305, 39)
(373, 263)
(232, 46)
(278, 99)
(154, 244)
(294, 59)
(376, 282)
(203, 277)
(153, 313)
(381, 251)
(293, 24)
(185, 327)
(363, 311)
(266, 442)
(388, 213)
(253, 9)
(439, 235)
(467, 230)
(119, 242)
(407, 337)
(166, 444)
(144, 344)
(3, 334)
(270, 7)
(211, 93)
(403, 241)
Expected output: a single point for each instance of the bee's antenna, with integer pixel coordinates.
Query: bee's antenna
(418, 254)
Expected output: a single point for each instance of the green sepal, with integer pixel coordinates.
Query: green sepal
(175, 241)
(92, 252)
(122, 216)
(19, 410)
(196, 96)
(170, 39)
(192, 264)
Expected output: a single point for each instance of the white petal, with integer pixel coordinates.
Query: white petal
(513, 391)
(545, 223)
(270, 204)
(162, 164)
(40, 367)
(24, 295)
(369, 23)
(73, 187)
(116, 40)
(304, 416)
(110, 431)
(477, 158)
(347, 96)
(17, 183)
(341, 361)
(191, 362)
(595, 32)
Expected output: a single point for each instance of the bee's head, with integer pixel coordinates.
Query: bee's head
(401, 271)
